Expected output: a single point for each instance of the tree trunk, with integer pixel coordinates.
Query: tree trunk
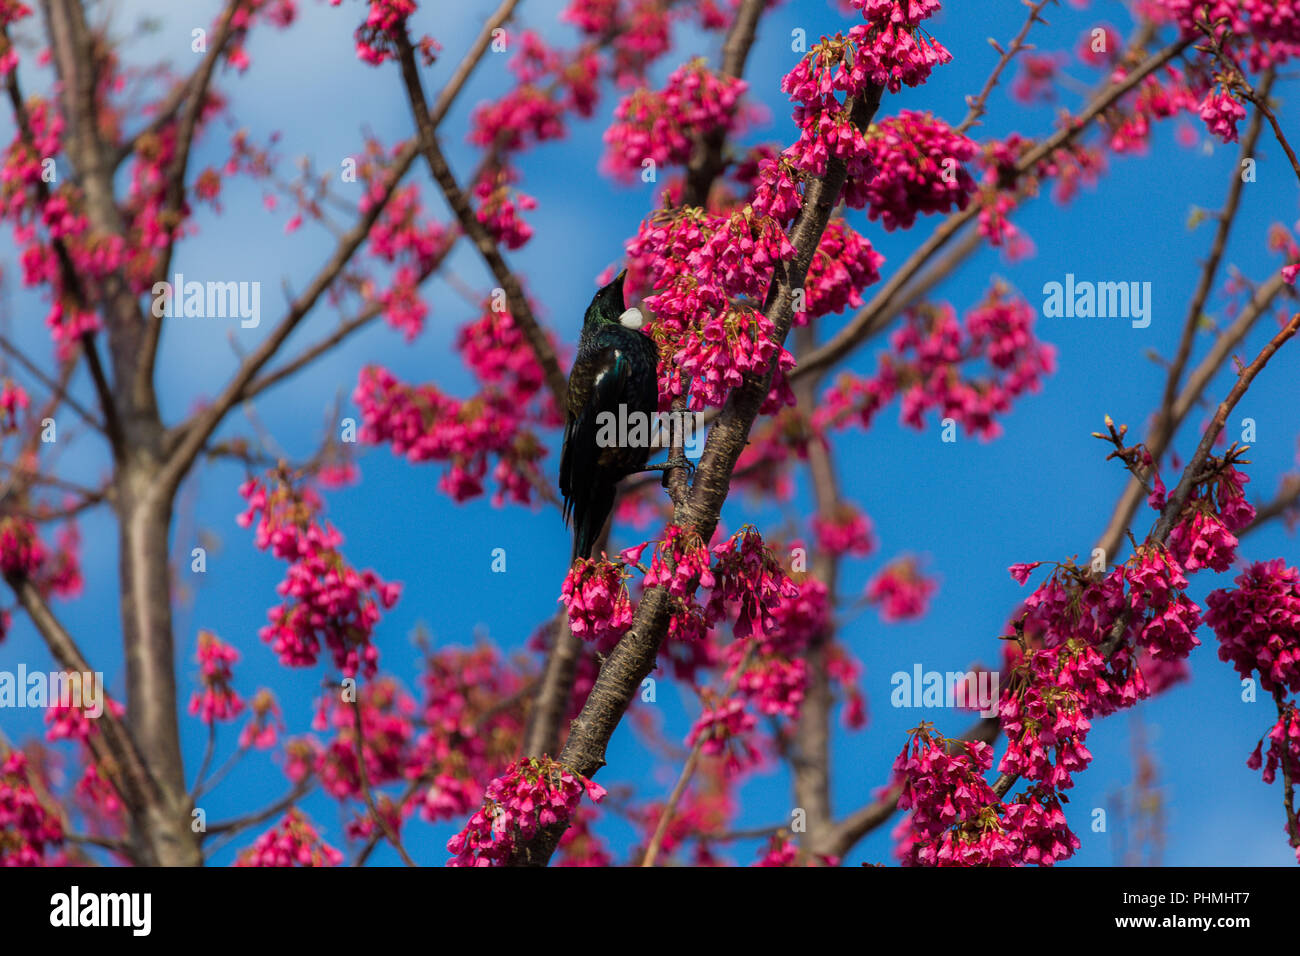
(161, 833)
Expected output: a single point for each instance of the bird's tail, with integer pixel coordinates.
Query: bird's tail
(588, 525)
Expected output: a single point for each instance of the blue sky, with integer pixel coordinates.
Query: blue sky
(1040, 492)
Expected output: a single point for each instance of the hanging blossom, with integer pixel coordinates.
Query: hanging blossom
(71, 722)
(376, 38)
(1283, 747)
(889, 50)
(549, 85)
(1163, 95)
(942, 788)
(534, 792)
(265, 722)
(1258, 624)
(21, 551)
(424, 424)
(387, 731)
(11, 11)
(681, 565)
(1036, 81)
(659, 128)
(1043, 717)
(23, 554)
(917, 158)
(30, 829)
(1144, 598)
(13, 399)
(401, 237)
(725, 728)
(775, 674)
(471, 729)
(957, 820)
(1221, 113)
(28, 207)
(748, 576)
(1269, 32)
(844, 265)
(499, 209)
(218, 700)
(291, 842)
(496, 349)
(326, 600)
(933, 363)
(1203, 535)
(701, 262)
(901, 590)
(844, 531)
(596, 598)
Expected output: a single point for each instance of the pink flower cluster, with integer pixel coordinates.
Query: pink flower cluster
(218, 700)
(845, 264)
(957, 820)
(748, 577)
(1146, 594)
(1255, 23)
(1203, 536)
(326, 600)
(500, 212)
(700, 262)
(776, 189)
(387, 731)
(1221, 113)
(889, 50)
(1031, 830)
(291, 842)
(776, 676)
(29, 827)
(376, 37)
(681, 564)
(1283, 747)
(1258, 624)
(783, 851)
(595, 595)
(725, 729)
(495, 349)
(901, 590)
(422, 423)
(69, 722)
(13, 399)
(917, 158)
(401, 237)
(265, 722)
(468, 735)
(1044, 720)
(892, 46)
(925, 361)
(534, 792)
(846, 531)
(21, 551)
(662, 126)
(942, 787)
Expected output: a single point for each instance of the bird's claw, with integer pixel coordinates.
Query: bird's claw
(678, 461)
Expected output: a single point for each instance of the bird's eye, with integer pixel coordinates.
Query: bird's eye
(632, 319)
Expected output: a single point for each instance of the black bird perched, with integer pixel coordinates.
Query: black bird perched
(616, 371)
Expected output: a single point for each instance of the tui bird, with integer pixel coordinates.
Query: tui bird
(616, 366)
